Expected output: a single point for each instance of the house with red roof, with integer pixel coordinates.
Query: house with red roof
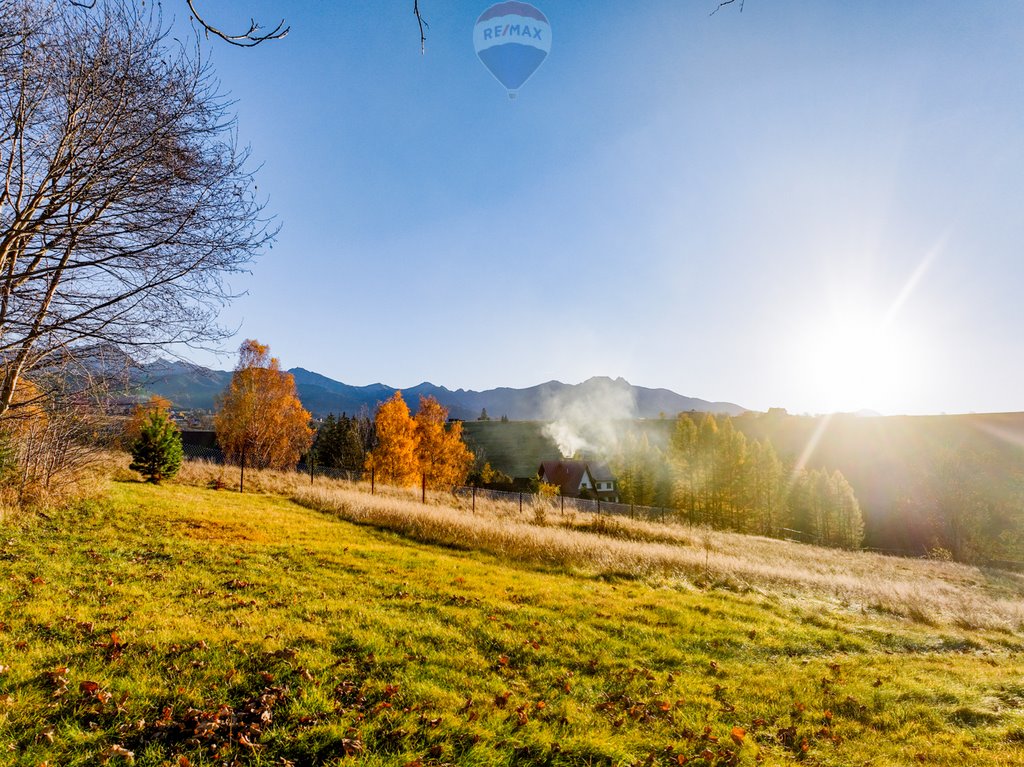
(575, 478)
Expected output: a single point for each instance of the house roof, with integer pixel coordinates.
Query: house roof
(600, 472)
(565, 474)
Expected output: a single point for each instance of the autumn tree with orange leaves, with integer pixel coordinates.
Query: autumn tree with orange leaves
(393, 459)
(444, 460)
(421, 448)
(260, 421)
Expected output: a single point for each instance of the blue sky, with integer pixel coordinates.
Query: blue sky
(809, 205)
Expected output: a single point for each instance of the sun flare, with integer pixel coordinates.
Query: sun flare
(854, 360)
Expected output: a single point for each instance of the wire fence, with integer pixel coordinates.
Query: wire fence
(564, 503)
(199, 453)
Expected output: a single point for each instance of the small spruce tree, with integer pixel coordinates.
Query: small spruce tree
(157, 453)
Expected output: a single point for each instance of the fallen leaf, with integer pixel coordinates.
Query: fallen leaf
(118, 751)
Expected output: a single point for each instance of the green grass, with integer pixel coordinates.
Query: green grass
(222, 629)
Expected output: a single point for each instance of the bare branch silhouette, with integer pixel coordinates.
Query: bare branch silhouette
(247, 39)
(724, 3)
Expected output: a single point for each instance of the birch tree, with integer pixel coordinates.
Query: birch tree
(126, 201)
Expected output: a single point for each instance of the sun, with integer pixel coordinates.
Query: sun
(851, 360)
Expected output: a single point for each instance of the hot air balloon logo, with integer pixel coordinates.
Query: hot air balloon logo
(512, 39)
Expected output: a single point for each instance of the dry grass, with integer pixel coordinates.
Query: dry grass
(89, 480)
(926, 591)
(932, 592)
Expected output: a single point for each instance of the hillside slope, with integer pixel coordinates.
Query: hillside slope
(178, 622)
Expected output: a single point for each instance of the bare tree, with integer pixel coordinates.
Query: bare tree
(126, 200)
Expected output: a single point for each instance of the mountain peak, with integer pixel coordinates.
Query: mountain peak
(196, 387)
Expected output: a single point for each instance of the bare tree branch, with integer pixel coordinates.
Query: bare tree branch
(423, 24)
(724, 3)
(252, 36)
(247, 39)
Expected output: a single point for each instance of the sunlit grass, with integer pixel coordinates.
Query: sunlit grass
(364, 646)
(932, 592)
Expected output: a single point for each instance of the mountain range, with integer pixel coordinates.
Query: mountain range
(190, 386)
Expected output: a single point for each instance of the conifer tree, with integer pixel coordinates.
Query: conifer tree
(157, 452)
(324, 448)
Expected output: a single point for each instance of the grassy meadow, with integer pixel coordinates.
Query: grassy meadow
(181, 625)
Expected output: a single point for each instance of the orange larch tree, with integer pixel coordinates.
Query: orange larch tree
(393, 459)
(260, 421)
(444, 460)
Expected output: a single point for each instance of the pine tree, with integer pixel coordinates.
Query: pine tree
(157, 452)
(324, 448)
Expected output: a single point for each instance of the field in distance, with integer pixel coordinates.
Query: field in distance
(186, 626)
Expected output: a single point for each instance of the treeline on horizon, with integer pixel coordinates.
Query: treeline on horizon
(712, 474)
(919, 486)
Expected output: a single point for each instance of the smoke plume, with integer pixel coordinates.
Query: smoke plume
(586, 418)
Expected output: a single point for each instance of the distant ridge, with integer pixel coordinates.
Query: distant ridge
(195, 387)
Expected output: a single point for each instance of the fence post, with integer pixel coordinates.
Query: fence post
(631, 511)
(311, 470)
(423, 487)
(599, 505)
(520, 501)
(474, 499)
(373, 477)
(561, 499)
